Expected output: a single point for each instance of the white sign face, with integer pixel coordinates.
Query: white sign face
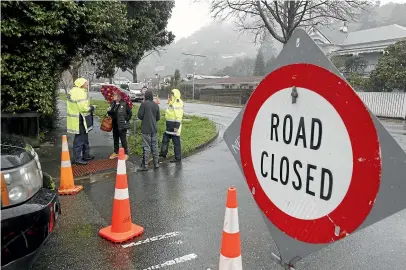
(302, 154)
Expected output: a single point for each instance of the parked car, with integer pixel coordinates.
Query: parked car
(135, 89)
(29, 204)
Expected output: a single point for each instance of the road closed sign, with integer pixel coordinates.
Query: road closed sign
(318, 163)
(307, 157)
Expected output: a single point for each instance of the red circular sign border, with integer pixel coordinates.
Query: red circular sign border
(359, 199)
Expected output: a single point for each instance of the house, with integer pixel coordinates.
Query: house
(224, 83)
(200, 77)
(368, 43)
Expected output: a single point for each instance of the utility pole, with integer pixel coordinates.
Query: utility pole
(194, 63)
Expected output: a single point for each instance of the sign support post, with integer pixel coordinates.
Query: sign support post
(318, 163)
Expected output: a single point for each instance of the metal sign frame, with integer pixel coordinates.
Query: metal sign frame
(391, 199)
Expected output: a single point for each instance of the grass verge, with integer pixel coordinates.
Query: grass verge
(196, 130)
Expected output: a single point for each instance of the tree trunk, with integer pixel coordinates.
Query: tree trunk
(111, 80)
(74, 72)
(135, 74)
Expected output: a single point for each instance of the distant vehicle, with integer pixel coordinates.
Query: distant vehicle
(29, 206)
(135, 89)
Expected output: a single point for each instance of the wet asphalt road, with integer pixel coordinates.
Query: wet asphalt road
(187, 203)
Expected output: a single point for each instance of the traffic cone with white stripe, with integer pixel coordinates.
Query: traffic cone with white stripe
(121, 228)
(67, 184)
(230, 254)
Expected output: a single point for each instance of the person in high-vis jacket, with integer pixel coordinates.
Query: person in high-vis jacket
(174, 116)
(80, 120)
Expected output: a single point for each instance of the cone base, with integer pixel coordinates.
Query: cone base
(135, 231)
(70, 191)
(230, 263)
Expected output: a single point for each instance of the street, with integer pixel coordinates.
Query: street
(182, 210)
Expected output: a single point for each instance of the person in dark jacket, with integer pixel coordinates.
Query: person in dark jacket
(149, 114)
(121, 114)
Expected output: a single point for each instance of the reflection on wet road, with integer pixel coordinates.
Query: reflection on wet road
(182, 210)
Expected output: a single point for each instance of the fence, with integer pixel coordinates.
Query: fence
(385, 104)
(382, 104)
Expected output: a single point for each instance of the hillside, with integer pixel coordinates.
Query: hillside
(219, 42)
(222, 44)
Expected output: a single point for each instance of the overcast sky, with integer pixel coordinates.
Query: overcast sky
(188, 16)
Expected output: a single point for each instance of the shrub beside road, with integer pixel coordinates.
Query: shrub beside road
(196, 130)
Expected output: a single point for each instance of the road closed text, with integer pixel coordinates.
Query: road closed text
(297, 174)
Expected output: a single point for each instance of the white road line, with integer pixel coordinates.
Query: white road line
(151, 239)
(182, 259)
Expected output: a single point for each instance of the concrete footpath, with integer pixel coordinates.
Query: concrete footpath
(101, 144)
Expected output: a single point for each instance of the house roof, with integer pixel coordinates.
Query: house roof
(229, 80)
(388, 32)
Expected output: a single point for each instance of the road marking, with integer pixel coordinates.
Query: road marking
(152, 239)
(182, 259)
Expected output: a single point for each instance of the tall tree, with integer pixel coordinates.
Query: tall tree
(390, 73)
(259, 68)
(281, 18)
(176, 78)
(147, 32)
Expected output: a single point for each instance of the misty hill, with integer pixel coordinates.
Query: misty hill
(219, 42)
(222, 44)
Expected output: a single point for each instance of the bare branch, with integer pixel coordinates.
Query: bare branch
(281, 18)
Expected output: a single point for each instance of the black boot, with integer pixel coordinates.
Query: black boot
(81, 162)
(176, 160)
(142, 168)
(89, 157)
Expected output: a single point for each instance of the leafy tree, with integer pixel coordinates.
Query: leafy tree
(355, 64)
(349, 63)
(339, 61)
(358, 82)
(259, 68)
(103, 37)
(147, 32)
(40, 40)
(176, 78)
(390, 73)
(36, 47)
(281, 18)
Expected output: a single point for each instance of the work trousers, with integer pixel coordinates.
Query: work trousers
(81, 146)
(176, 145)
(120, 135)
(150, 144)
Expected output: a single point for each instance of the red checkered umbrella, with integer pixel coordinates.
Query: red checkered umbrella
(109, 90)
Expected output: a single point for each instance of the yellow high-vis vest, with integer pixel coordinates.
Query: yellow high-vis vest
(78, 104)
(174, 114)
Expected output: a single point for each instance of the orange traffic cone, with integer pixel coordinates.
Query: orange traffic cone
(157, 100)
(230, 254)
(121, 228)
(67, 185)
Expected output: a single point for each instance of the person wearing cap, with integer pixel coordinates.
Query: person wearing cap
(79, 120)
(174, 116)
